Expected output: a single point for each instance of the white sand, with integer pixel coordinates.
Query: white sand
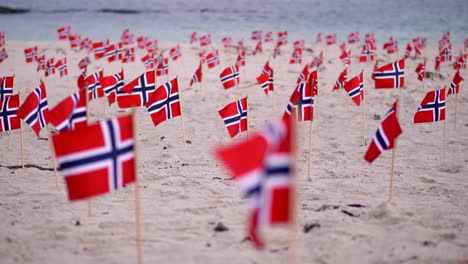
(185, 193)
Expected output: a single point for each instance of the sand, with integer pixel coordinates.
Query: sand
(185, 193)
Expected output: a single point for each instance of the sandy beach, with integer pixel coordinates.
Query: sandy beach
(185, 192)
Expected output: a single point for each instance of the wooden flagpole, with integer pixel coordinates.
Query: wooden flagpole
(456, 102)
(247, 119)
(137, 194)
(53, 157)
(181, 114)
(87, 122)
(310, 152)
(445, 137)
(21, 138)
(293, 256)
(363, 113)
(318, 105)
(9, 141)
(392, 170)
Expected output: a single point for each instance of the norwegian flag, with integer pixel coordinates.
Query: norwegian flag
(455, 84)
(6, 87)
(437, 63)
(35, 110)
(269, 37)
(99, 49)
(241, 59)
(446, 54)
(318, 38)
(205, 40)
(230, 77)
(193, 37)
(391, 75)
(75, 40)
(261, 165)
(80, 81)
(129, 55)
(127, 37)
(344, 57)
(417, 42)
(355, 88)
(142, 42)
(227, 42)
(234, 116)
(417, 53)
(276, 51)
(317, 61)
(303, 75)
(353, 37)
(152, 46)
(212, 59)
(99, 164)
(111, 85)
(256, 35)
(391, 46)
(302, 99)
(240, 45)
(137, 92)
(258, 48)
(64, 32)
(175, 53)
(312, 83)
(460, 62)
(162, 68)
(421, 70)
(296, 57)
(164, 104)
(432, 108)
(342, 79)
(386, 134)
(94, 86)
(8, 118)
(269, 70)
(86, 44)
(370, 38)
(408, 51)
(114, 52)
(197, 76)
(148, 61)
(264, 81)
(282, 38)
(83, 64)
(61, 66)
(299, 44)
(331, 39)
(343, 47)
(50, 67)
(367, 53)
(30, 54)
(70, 113)
(202, 56)
(2, 39)
(40, 63)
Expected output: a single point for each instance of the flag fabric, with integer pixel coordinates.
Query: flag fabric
(370, 38)
(437, 63)
(331, 39)
(6, 86)
(340, 82)
(99, 49)
(2, 39)
(227, 42)
(421, 70)
(261, 165)
(162, 68)
(61, 66)
(345, 58)
(367, 53)
(446, 54)
(240, 45)
(175, 53)
(114, 52)
(148, 61)
(152, 46)
(3, 55)
(432, 108)
(408, 51)
(70, 113)
(193, 37)
(35, 110)
(8, 118)
(343, 47)
(127, 37)
(258, 48)
(212, 59)
(83, 64)
(202, 55)
(455, 84)
(234, 116)
(391, 46)
(40, 63)
(50, 67)
(269, 70)
(111, 85)
(299, 44)
(282, 38)
(63, 32)
(460, 62)
(355, 89)
(276, 51)
(417, 53)
(264, 81)
(269, 37)
(94, 85)
(164, 104)
(376, 66)
(142, 41)
(256, 35)
(30, 54)
(391, 75)
(312, 82)
(303, 75)
(353, 37)
(241, 59)
(197, 76)
(129, 55)
(205, 40)
(317, 61)
(318, 38)
(296, 57)
(74, 40)
(386, 134)
(137, 92)
(99, 164)
(81, 80)
(86, 44)
(301, 98)
(230, 77)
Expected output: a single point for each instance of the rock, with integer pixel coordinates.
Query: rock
(188, 141)
(77, 223)
(349, 213)
(308, 227)
(356, 205)
(164, 147)
(163, 137)
(220, 228)
(376, 117)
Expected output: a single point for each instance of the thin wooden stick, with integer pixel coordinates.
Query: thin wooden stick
(293, 225)
(87, 122)
(21, 138)
(363, 114)
(318, 113)
(247, 118)
(181, 115)
(9, 141)
(392, 170)
(456, 102)
(445, 137)
(310, 152)
(137, 194)
(53, 157)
